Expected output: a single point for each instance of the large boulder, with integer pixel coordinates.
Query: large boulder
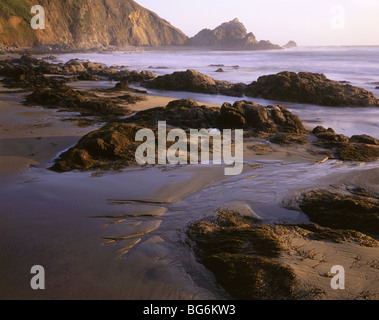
(307, 87)
(112, 146)
(250, 115)
(195, 81)
(185, 113)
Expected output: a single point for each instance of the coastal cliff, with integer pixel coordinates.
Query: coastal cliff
(85, 24)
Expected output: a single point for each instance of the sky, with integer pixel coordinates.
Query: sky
(308, 22)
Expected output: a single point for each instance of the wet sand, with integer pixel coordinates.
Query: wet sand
(118, 235)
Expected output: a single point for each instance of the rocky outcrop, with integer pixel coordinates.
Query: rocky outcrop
(183, 114)
(194, 81)
(247, 114)
(290, 44)
(61, 96)
(356, 148)
(351, 208)
(274, 123)
(230, 35)
(112, 146)
(86, 24)
(306, 87)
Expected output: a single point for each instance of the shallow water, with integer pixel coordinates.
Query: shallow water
(127, 229)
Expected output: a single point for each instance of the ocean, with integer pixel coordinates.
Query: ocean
(357, 65)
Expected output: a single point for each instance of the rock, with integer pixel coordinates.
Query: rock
(183, 113)
(252, 278)
(219, 70)
(232, 248)
(190, 80)
(194, 81)
(356, 148)
(133, 76)
(364, 138)
(247, 114)
(243, 255)
(59, 95)
(26, 77)
(342, 209)
(122, 85)
(329, 138)
(230, 35)
(290, 44)
(358, 152)
(287, 139)
(85, 76)
(306, 87)
(112, 146)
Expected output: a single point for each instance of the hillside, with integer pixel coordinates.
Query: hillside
(85, 24)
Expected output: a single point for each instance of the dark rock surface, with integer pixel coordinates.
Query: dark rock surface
(111, 147)
(60, 95)
(349, 208)
(247, 114)
(238, 252)
(307, 87)
(184, 114)
(356, 148)
(194, 81)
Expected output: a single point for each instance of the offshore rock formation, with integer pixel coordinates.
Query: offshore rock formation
(230, 35)
(307, 87)
(290, 44)
(86, 24)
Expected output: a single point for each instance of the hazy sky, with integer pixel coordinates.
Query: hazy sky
(308, 22)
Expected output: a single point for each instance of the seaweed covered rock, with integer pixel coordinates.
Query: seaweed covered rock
(60, 95)
(358, 152)
(307, 87)
(112, 146)
(248, 277)
(238, 252)
(342, 209)
(251, 260)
